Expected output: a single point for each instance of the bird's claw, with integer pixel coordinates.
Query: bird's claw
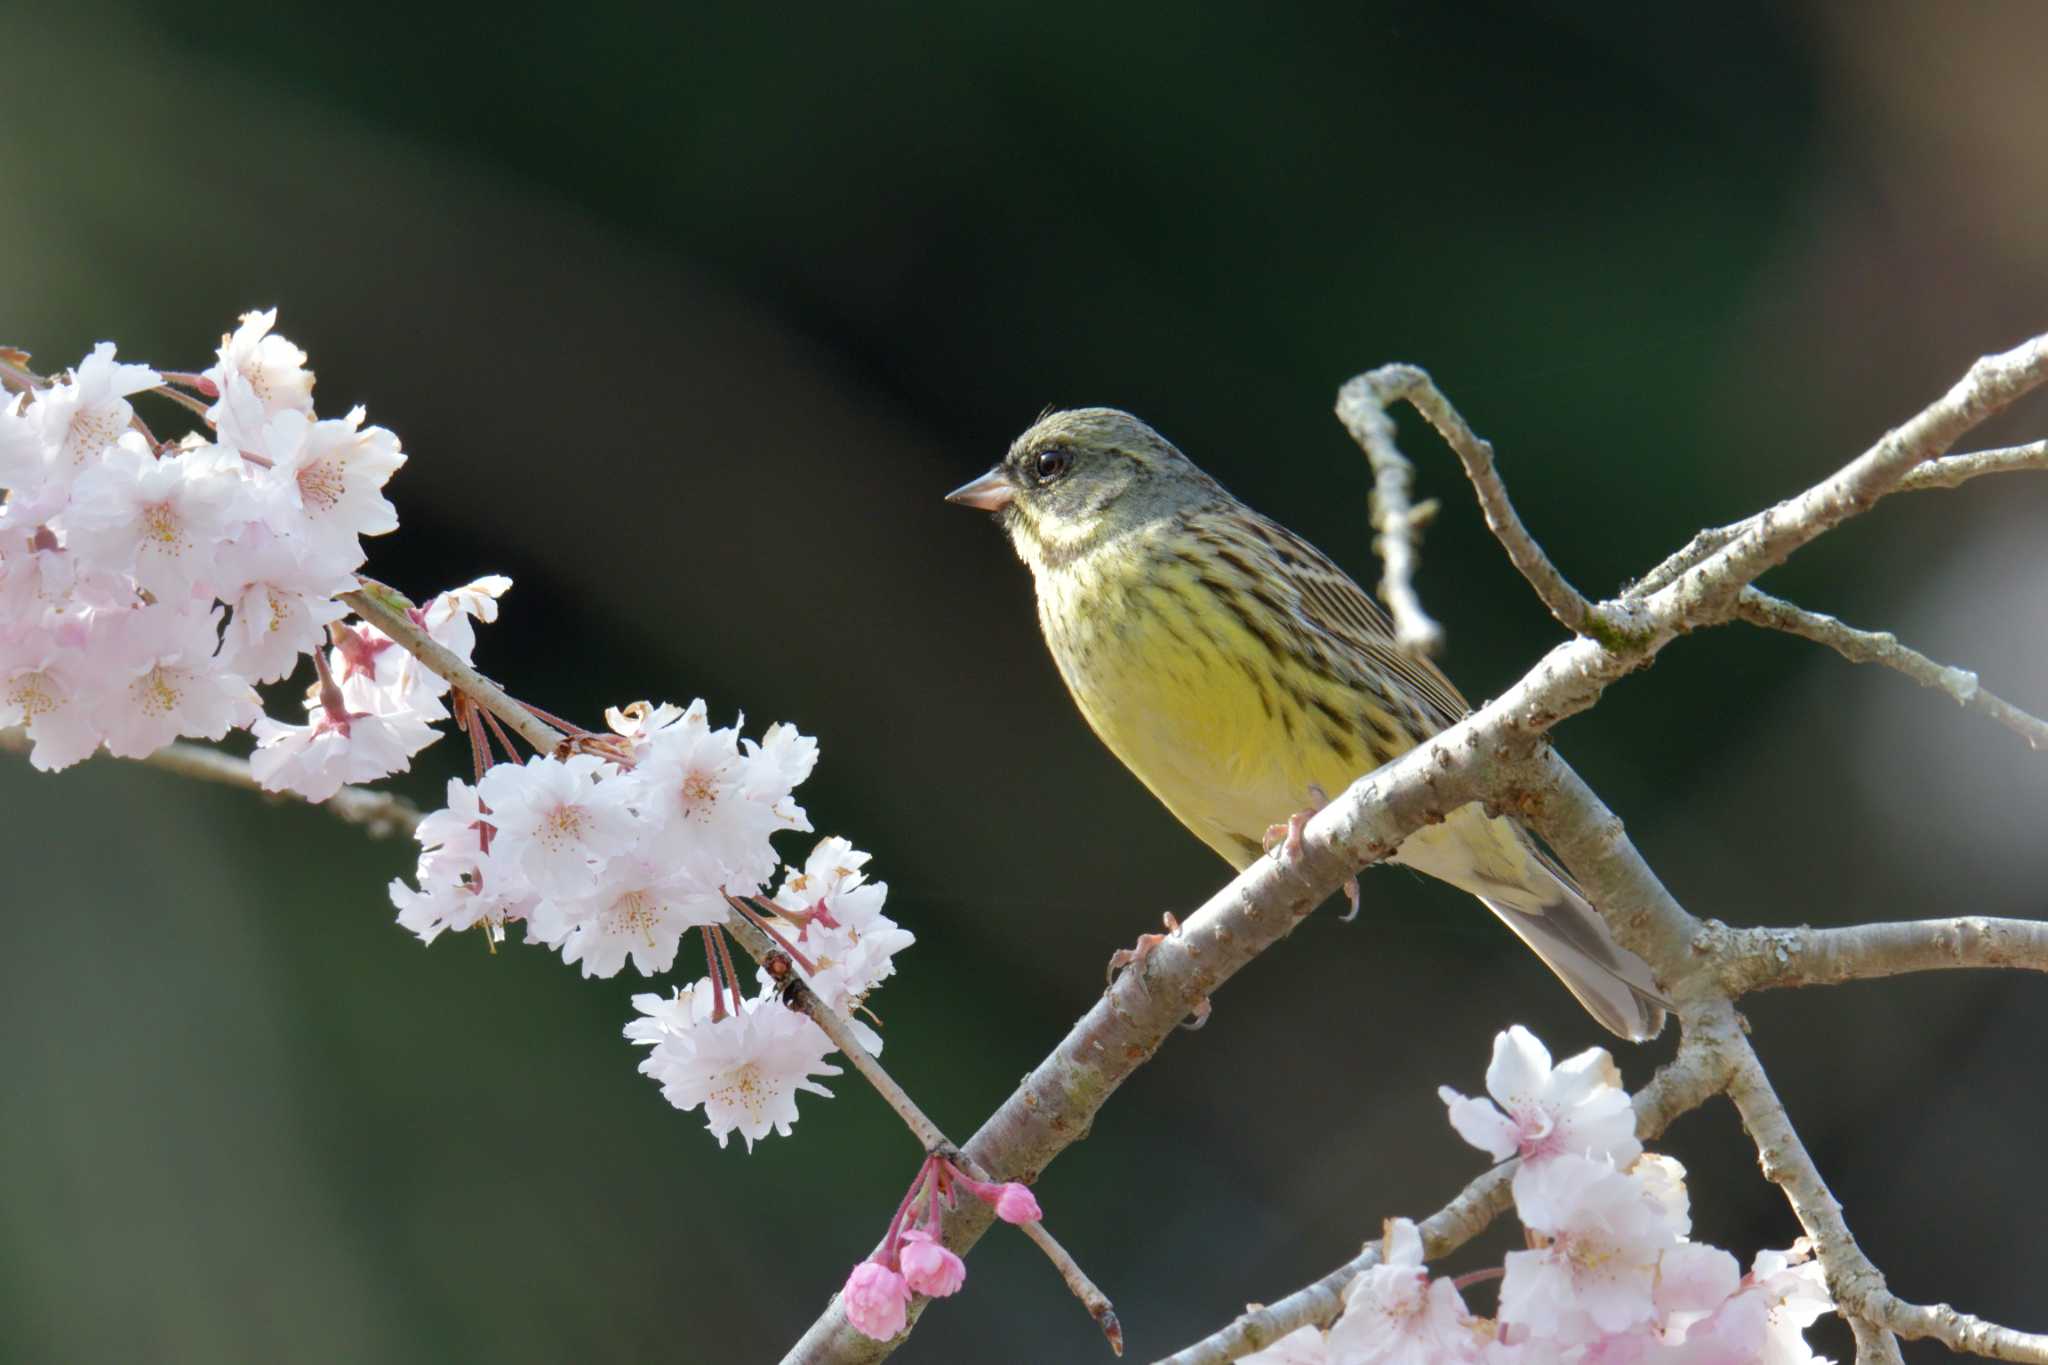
(1288, 835)
(1197, 1016)
(1135, 955)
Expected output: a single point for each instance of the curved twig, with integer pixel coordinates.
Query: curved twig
(1362, 407)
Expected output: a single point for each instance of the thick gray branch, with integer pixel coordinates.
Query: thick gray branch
(1761, 959)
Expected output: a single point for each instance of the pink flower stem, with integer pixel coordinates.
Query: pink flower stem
(157, 447)
(499, 730)
(1478, 1277)
(762, 923)
(890, 1243)
(711, 964)
(330, 693)
(198, 383)
(564, 726)
(732, 974)
(479, 743)
(802, 919)
(181, 398)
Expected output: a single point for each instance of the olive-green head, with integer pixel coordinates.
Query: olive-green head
(1081, 478)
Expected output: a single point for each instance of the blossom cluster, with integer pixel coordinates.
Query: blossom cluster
(618, 848)
(1611, 1275)
(912, 1259)
(146, 587)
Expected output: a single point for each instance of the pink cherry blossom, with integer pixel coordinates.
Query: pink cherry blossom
(877, 1301)
(1015, 1203)
(928, 1267)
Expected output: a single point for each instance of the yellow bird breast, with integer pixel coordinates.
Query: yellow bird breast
(1193, 703)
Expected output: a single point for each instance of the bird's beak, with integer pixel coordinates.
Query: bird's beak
(992, 492)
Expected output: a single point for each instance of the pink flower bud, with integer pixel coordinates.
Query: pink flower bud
(928, 1267)
(1016, 1204)
(875, 1298)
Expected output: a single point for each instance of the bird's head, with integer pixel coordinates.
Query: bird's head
(1080, 478)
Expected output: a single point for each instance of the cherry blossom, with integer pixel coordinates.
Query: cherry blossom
(560, 818)
(170, 685)
(640, 908)
(850, 943)
(928, 1267)
(258, 374)
(161, 519)
(84, 413)
(1577, 1106)
(877, 1300)
(334, 748)
(744, 1069)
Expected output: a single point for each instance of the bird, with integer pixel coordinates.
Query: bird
(1238, 673)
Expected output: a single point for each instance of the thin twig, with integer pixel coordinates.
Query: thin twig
(1362, 407)
(1953, 471)
(1694, 551)
(800, 996)
(381, 814)
(1680, 1086)
(1883, 647)
(379, 606)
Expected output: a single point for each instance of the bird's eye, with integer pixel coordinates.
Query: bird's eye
(1051, 464)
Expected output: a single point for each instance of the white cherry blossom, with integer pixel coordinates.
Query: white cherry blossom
(1538, 1110)
(744, 1069)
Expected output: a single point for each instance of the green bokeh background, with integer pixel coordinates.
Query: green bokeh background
(687, 316)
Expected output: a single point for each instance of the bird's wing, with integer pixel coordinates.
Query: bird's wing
(1335, 611)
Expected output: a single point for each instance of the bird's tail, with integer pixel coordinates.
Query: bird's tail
(1539, 901)
(1569, 935)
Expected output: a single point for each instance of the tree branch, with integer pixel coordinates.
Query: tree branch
(384, 608)
(1883, 647)
(1765, 959)
(1364, 410)
(1954, 471)
(1707, 591)
(1362, 407)
(379, 813)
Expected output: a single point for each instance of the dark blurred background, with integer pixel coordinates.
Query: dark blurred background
(687, 317)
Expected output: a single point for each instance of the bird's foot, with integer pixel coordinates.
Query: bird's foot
(1289, 837)
(1135, 955)
(1290, 833)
